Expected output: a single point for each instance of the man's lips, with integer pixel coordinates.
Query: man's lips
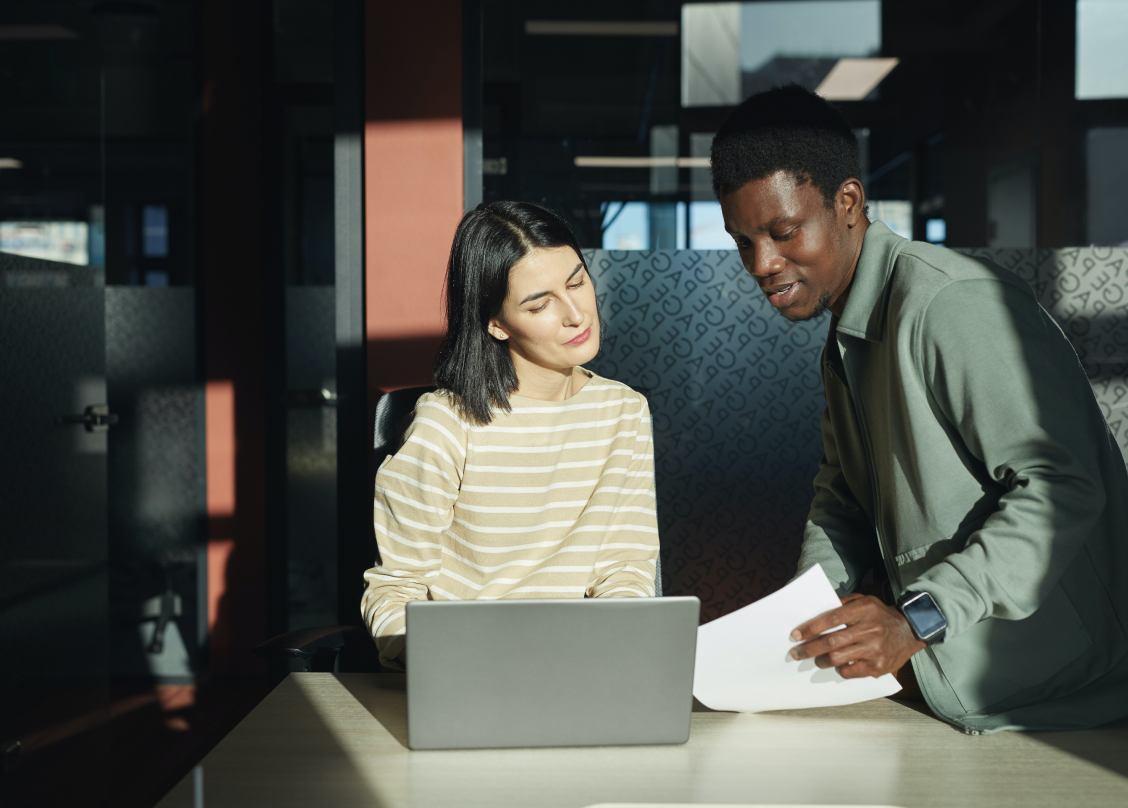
(781, 294)
(778, 289)
(580, 338)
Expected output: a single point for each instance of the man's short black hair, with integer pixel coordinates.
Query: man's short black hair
(785, 129)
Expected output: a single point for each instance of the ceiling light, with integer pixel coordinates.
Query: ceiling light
(40, 32)
(600, 28)
(10, 162)
(854, 79)
(641, 162)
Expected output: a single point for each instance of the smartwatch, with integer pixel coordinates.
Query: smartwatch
(924, 616)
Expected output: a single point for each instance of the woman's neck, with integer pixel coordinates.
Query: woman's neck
(547, 384)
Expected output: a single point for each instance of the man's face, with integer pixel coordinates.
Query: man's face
(801, 252)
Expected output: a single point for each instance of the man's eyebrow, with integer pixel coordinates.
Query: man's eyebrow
(536, 295)
(777, 221)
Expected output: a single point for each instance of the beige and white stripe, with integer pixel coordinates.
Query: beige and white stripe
(550, 500)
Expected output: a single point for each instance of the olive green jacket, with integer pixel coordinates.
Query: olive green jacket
(964, 451)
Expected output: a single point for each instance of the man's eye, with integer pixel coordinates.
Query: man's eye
(787, 235)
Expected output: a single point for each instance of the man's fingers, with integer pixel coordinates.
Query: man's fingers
(850, 654)
(856, 670)
(823, 644)
(854, 608)
(819, 625)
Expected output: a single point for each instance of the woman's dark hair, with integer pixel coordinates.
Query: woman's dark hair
(490, 239)
(785, 129)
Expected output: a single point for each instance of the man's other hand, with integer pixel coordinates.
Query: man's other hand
(876, 638)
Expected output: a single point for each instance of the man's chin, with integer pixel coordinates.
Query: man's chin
(799, 315)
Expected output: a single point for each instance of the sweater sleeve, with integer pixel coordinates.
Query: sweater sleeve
(626, 563)
(1007, 380)
(416, 489)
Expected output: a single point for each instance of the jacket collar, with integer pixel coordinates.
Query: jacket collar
(864, 315)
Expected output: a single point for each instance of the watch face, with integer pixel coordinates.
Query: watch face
(924, 615)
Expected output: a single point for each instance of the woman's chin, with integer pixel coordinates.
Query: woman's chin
(583, 354)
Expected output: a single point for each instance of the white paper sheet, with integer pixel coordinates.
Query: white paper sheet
(743, 663)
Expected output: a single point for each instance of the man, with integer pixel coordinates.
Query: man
(964, 456)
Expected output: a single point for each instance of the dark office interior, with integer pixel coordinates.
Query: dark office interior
(223, 232)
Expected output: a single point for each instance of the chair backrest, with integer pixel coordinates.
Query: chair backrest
(393, 415)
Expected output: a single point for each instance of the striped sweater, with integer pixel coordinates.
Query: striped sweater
(550, 500)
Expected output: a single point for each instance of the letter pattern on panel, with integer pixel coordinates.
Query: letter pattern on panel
(1086, 290)
(736, 398)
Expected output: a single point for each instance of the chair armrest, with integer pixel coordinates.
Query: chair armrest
(308, 642)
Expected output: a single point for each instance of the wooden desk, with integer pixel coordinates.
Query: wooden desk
(321, 740)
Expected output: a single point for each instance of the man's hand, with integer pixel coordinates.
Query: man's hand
(877, 638)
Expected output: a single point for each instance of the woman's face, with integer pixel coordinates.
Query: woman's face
(549, 316)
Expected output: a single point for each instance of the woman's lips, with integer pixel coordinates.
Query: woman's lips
(580, 339)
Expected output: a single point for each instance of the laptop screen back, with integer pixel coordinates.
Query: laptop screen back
(511, 673)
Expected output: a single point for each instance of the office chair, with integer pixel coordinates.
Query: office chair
(321, 648)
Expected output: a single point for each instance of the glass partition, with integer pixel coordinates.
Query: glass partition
(980, 124)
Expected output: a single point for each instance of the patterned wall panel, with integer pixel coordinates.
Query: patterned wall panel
(1086, 290)
(736, 397)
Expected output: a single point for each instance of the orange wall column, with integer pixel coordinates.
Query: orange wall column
(412, 180)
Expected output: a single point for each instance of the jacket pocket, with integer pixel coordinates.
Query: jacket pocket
(995, 659)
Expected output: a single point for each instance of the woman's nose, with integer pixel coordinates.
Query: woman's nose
(572, 313)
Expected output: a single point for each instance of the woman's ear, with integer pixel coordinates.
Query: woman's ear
(496, 331)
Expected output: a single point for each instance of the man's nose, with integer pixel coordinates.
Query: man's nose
(764, 262)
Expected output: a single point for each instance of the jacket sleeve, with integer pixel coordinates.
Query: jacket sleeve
(416, 489)
(1010, 386)
(838, 535)
(626, 562)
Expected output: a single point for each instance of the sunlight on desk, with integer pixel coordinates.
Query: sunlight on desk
(324, 739)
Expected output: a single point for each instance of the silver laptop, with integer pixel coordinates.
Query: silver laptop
(504, 673)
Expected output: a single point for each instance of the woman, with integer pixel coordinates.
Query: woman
(524, 475)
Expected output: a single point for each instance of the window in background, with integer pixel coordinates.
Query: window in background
(896, 213)
(154, 231)
(1102, 59)
(626, 226)
(936, 231)
(731, 50)
(644, 226)
(707, 227)
(1107, 170)
(67, 242)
